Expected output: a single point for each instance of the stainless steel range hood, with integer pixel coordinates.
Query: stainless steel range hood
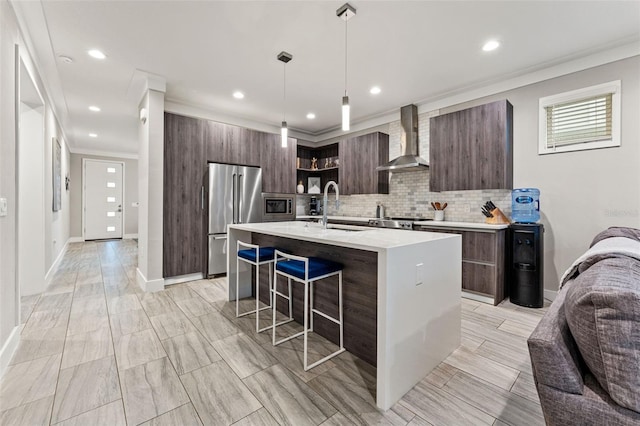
(410, 159)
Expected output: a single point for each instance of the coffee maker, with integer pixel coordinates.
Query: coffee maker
(313, 206)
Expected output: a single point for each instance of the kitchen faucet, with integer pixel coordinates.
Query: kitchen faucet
(325, 200)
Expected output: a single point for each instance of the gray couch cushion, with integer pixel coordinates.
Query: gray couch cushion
(554, 354)
(602, 308)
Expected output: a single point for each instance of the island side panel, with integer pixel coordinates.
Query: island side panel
(359, 292)
(419, 324)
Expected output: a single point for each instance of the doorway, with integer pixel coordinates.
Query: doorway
(31, 187)
(102, 195)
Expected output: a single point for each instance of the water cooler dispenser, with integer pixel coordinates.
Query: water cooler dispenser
(526, 271)
(527, 288)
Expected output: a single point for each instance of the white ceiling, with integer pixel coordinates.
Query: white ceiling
(415, 51)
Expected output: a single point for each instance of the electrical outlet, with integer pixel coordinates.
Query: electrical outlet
(419, 273)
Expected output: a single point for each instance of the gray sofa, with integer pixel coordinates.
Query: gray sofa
(585, 351)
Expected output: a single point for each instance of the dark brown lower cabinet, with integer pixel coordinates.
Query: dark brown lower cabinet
(483, 260)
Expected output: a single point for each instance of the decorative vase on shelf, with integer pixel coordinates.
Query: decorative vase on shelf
(300, 188)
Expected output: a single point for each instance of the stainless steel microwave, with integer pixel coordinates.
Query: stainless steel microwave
(278, 207)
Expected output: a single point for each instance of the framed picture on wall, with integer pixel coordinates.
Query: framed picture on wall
(57, 175)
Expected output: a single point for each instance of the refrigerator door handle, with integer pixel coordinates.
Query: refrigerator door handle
(233, 193)
(239, 198)
(219, 237)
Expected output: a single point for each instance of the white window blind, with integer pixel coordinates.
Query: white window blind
(581, 119)
(586, 120)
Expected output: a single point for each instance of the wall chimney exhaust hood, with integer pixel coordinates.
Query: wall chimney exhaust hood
(409, 160)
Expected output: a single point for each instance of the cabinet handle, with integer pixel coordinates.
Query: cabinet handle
(202, 197)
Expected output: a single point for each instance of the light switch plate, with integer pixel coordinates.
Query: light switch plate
(3, 207)
(419, 273)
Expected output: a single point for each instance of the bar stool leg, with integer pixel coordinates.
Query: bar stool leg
(290, 300)
(311, 304)
(237, 286)
(340, 308)
(257, 292)
(274, 302)
(306, 320)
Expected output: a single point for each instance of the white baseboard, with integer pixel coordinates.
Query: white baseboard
(477, 297)
(146, 285)
(183, 279)
(129, 236)
(9, 348)
(75, 240)
(49, 275)
(550, 294)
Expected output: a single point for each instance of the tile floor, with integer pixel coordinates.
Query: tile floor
(95, 350)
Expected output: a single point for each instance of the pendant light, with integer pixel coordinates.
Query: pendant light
(284, 57)
(345, 12)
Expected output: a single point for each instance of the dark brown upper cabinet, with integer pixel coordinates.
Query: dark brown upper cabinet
(232, 144)
(472, 148)
(359, 157)
(278, 164)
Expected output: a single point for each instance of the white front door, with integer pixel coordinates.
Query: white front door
(102, 199)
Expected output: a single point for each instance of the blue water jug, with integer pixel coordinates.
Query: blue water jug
(525, 205)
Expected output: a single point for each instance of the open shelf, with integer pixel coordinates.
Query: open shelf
(300, 169)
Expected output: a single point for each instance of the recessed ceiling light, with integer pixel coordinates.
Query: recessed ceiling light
(65, 59)
(94, 108)
(375, 90)
(238, 95)
(311, 116)
(490, 45)
(93, 135)
(95, 53)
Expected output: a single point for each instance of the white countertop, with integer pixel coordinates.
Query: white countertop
(365, 238)
(468, 225)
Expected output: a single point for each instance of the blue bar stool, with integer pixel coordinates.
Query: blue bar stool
(265, 256)
(306, 270)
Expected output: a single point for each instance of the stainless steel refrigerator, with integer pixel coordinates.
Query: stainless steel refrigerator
(235, 195)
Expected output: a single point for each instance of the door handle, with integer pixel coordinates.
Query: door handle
(233, 194)
(222, 237)
(239, 199)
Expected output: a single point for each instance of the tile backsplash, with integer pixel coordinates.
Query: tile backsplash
(409, 196)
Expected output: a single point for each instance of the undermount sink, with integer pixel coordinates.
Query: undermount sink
(348, 228)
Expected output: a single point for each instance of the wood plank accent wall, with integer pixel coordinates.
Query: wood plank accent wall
(359, 292)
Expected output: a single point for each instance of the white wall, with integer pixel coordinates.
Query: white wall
(9, 37)
(150, 192)
(31, 228)
(584, 192)
(56, 224)
(130, 193)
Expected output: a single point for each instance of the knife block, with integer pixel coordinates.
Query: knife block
(498, 218)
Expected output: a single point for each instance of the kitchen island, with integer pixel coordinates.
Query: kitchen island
(401, 293)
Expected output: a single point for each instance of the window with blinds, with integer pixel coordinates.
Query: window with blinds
(582, 119)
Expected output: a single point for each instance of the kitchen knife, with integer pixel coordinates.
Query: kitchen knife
(444, 206)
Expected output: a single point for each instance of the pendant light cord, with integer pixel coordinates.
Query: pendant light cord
(284, 93)
(345, 56)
